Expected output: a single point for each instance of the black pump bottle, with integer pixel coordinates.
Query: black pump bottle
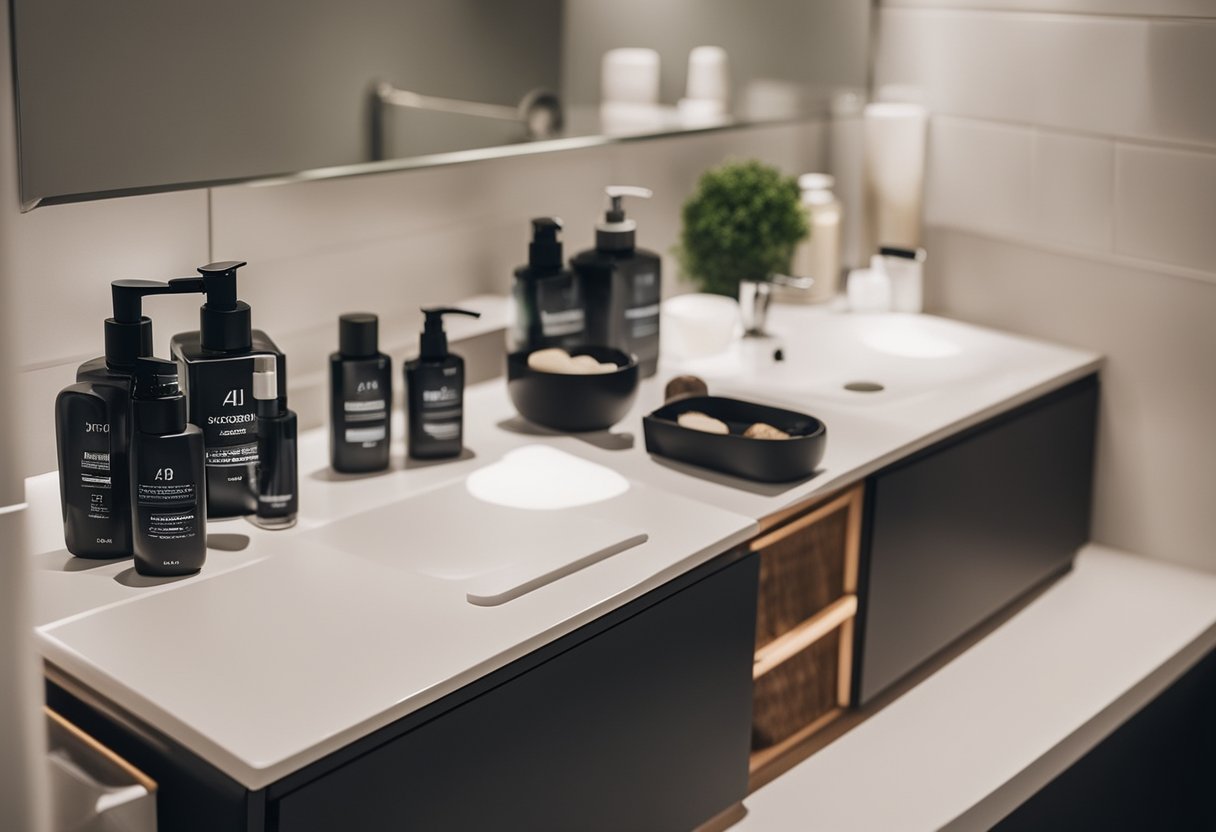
(278, 480)
(622, 285)
(93, 426)
(547, 304)
(168, 494)
(361, 397)
(434, 383)
(217, 371)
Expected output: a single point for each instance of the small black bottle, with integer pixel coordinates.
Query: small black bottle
(361, 397)
(168, 483)
(277, 478)
(547, 303)
(434, 383)
(93, 426)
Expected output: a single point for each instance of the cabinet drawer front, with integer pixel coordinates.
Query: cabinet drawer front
(644, 726)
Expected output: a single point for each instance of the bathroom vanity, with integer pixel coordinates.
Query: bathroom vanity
(341, 674)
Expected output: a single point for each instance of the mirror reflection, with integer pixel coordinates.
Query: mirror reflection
(132, 96)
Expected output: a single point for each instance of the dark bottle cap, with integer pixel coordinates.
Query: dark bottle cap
(224, 322)
(157, 398)
(545, 250)
(128, 335)
(433, 344)
(358, 335)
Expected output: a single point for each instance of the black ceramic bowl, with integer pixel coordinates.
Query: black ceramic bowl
(763, 460)
(569, 402)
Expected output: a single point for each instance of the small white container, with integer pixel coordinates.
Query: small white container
(699, 324)
(905, 270)
(818, 256)
(708, 75)
(630, 75)
(870, 289)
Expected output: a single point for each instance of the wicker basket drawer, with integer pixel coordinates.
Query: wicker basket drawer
(797, 693)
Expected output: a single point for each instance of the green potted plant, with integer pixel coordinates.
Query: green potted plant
(742, 223)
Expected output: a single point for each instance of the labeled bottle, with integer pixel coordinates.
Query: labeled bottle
(547, 304)
(622, 285)
(434, 384)
(168, 487)
(277, 471)
(360, 396)
(93, 426)
(818, 256)
(217, 370)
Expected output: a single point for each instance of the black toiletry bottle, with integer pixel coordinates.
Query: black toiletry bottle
(93, 426)
(217, 371)
(622, 285)
(434, 385)
(360, 396)
(277, 479)
(168, 490)
(546, 301)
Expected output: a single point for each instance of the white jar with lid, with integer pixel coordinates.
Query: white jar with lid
(818, 256)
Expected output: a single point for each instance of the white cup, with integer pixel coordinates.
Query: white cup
(708, 75)
(699, 324)
(630, 75)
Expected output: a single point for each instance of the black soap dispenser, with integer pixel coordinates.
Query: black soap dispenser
(217, 368)
(434, 384)
(360, 397)
(93, 426)
(168, 488)
(622, 285)
(547, 305)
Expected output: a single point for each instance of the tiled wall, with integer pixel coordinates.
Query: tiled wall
(387, 243)
(1072, 195)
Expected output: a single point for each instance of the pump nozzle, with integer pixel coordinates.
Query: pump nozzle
(224, 321)
(545, 251)
(617, 213)
(434, 342)
(616, 233)
(128, 335)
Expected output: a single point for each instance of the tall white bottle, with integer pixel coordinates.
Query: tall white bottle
(818, 256)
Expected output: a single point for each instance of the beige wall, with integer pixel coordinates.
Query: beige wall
(1072, 195)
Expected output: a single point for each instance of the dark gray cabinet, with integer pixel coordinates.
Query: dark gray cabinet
(957, 532)
(640, 720)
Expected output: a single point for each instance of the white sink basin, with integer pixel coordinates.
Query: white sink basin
(863, 362)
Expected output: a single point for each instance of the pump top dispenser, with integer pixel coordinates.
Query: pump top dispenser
(622, 284)
(434, 386)
(217, 368)
(547, 304)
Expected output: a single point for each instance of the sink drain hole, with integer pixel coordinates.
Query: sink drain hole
(864, 386)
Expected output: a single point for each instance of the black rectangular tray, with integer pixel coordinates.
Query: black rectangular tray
(762, 460)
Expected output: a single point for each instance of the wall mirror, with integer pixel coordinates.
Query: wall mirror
(135, 96)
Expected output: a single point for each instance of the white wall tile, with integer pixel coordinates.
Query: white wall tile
(64, 257)
(1166, 206)
(1074, 190)
(1154, 483)
(1164, 8)
(1134, 77)
(980, 176)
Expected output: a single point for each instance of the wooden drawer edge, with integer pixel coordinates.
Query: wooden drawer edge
(94, 745)
(790, 644)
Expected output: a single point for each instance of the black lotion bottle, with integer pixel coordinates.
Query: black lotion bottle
(217, 371)
(93, 426)
(277, 474)
(622, 285)
(360, 396)
(546, 301)
(168, 486)
(434, 384)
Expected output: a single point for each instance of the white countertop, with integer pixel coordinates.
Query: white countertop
(286, 648)
(981, 735)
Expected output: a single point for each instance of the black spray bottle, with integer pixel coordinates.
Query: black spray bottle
(277, 477)
(546, 302)
(434, 383)
(217, 370)
(622, 285)
(168, 492)
(93, 426)
(361, 397)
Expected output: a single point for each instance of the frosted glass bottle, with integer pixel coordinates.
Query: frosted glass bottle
(818, 256)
